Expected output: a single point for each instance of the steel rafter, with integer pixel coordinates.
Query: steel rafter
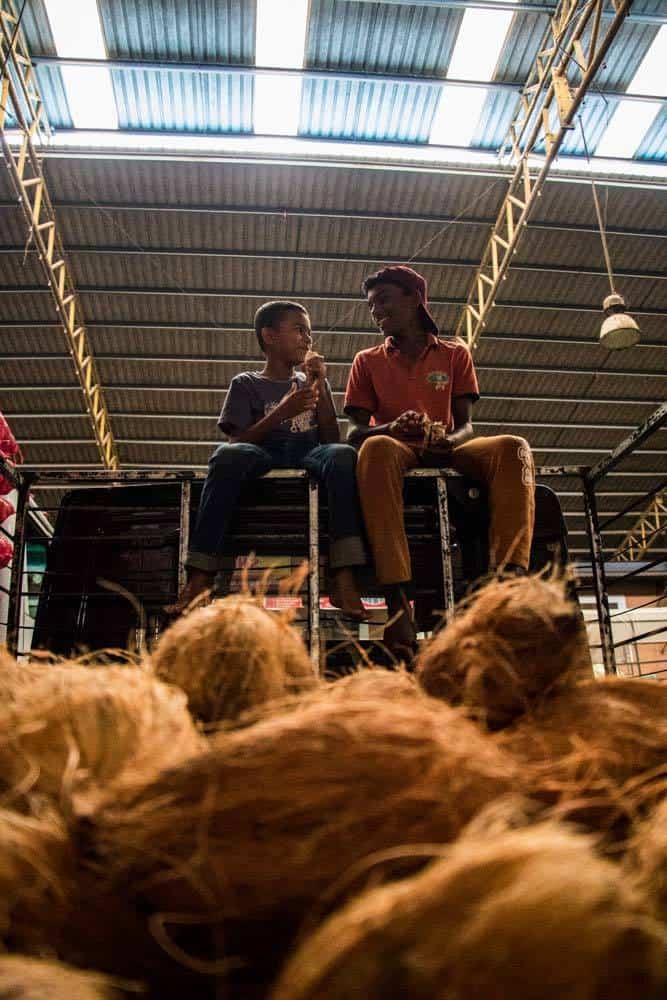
(19, 86)
(647, 530)
(563, 70)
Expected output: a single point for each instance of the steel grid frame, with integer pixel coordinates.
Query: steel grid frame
(565, 67)
(25, 171)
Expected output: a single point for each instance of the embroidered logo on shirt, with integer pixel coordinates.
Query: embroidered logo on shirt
(438, 379)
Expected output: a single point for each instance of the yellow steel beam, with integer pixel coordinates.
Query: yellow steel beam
(19, 87)
(648, 529)
(569, 57)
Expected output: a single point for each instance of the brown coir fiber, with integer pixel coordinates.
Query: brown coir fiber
(231, 656)
(258, 828)
(647, 858)
(78, 730)
(532, 914)
(598, 749)
(36, 876)
(511, 644)
(24, 978)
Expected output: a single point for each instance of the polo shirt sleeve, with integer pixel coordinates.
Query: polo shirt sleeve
(360, 392)
(464, 376)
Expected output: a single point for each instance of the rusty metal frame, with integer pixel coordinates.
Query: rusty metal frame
(653, 521)
(19, 86)
(565, 66)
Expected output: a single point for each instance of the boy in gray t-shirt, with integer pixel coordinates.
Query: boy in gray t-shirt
(280, 418)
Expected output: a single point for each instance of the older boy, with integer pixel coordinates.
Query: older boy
(392, 388)
(280, 418)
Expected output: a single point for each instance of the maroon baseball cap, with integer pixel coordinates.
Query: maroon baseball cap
(405, 277)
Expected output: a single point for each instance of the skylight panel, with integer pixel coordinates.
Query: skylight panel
(632, 120)
(478, 46)
(280, 42)
(77, 34)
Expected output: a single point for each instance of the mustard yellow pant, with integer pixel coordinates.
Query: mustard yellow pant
(503, 464)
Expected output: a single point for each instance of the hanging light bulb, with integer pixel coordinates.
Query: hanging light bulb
(618, 328)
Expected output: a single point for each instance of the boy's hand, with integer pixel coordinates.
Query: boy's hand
(409, 427)
(314, 367)
(297, 401)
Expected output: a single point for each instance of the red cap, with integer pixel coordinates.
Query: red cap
(405, 277)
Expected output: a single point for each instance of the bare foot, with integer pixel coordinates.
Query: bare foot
(345, 595)
(198, 582)
(400, 636)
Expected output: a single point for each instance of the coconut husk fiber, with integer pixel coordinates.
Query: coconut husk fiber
(531, 914)
(23, 978)
(647, 858)
(77, 730)
(36, 877)
(257, 829)
(231, 656)
(512, 643)
(598, 750)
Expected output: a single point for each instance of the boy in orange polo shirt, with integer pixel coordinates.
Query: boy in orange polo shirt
(390, 392)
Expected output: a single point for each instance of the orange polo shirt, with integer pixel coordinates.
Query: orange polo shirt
(386, 383)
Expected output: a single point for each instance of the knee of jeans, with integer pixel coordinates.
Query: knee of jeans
(226, 455)
(342, 456)
(377, 449)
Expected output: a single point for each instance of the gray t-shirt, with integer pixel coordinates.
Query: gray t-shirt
(252, 396)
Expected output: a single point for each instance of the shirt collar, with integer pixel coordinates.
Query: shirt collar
(391, 347)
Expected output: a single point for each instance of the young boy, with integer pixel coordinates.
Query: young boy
(391, 391)
(279, 418)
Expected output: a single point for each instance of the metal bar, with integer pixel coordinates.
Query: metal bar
(643, 635)
(183, 532)
(570, 21)
(632, 507)
(211, 293)
(445, 547)
(451, 262)
(314, 573)
(351, 216)
(15, 605)
(657, 420)
(599, 577)
(28, 180)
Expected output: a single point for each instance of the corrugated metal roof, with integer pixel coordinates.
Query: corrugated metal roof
(37, 32)
(654, 144)
(386, 112)
(190, 30)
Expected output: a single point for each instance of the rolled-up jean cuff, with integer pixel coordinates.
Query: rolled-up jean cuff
(347, 552)
(204, 561)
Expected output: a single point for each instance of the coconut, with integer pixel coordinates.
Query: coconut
(527, 914)
(647, 858)
(36, 875)
(513, 642)
(598, 750)
(257, 829)
(375, 682)
(231, 656)
(77, 730)
(24, 978)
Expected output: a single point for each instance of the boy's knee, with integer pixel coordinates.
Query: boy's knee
(517, 450)
(342, 456)
(234, 455)
(377, 449)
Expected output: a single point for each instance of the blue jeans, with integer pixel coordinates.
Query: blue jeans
(232, 465)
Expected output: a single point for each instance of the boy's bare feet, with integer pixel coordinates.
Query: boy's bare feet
(400, 636)
(198, 581)
(345, 595)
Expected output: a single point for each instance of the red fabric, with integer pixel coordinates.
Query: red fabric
(386, 384)
(6, 509)
(6, 551)
(5, 486)
(8, 446)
